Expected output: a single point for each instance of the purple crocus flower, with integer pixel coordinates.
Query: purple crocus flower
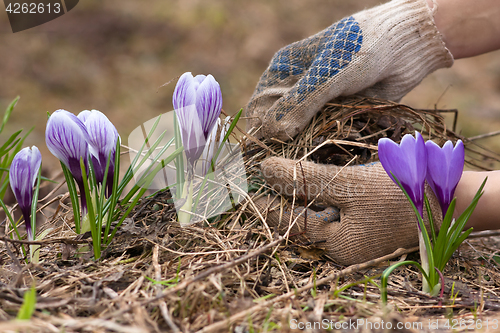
(444, 170)
(102, 142)
(197, 102)
(408, 162)
(66, 137)
(22, 175)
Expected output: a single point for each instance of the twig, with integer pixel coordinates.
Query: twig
(269, 303)
(17, 264)
(163, 305)
(485, 233)
(483, 136)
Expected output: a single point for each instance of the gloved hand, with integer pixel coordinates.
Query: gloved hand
(375, 217)
(382, 52)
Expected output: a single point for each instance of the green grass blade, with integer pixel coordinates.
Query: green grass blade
(10, 143)
(221, 146)
(425, 235)
(129, 174)
(455, 246)
(96, 234)
(431, 219)
(442, 238)
(145, 184)
(113, 200)
(73, 194)
(154, 159)
(179, 160)
(7, 160)
(34, 203)
(12, 223)
(8, 112)
(28, 307)
(464, 217)
(385, 276)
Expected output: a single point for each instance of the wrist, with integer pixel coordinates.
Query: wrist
(468, 28)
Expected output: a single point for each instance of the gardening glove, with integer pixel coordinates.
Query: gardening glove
(381, 52)
(375, 216)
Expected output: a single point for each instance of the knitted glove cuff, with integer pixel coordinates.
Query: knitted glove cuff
(412, 46)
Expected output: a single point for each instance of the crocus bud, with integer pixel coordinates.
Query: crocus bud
(408, 162)
(102, 143)
(66, 137)
(197, 102)
(22, 175)
(444, 170)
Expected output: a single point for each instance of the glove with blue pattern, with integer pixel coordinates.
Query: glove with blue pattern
(375, 217)
(382, 52)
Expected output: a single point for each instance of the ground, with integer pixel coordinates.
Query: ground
(114, 56)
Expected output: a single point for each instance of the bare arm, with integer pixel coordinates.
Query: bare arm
(468, 27)
(486, 216)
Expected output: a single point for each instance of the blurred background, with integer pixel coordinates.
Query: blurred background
(115, 55)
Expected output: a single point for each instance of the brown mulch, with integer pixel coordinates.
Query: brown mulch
(234, 274)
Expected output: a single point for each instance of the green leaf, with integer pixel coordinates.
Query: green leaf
(96, 234)
(113, 200)
(390, 269)
(455, 246)
(431, 218)
(442, 238)
(73, 193)
(6, 147)
(179, 160)
(28, 307)
(12, 223)
(430, 255)
(8, 112)
(462, 220)
(221, 146)
(34, 204)
(133, 169)
(144, 183)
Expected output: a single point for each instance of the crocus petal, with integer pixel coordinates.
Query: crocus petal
(408, 162)
(208, 103)
(83, 115)
(102, 145)
(102, 135)
(444, 170)
(198, 79)
(66, 137)
(22, 175)
(211, 145)
(184, 92)
(192, 136)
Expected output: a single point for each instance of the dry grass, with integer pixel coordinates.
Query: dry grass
(235, 274)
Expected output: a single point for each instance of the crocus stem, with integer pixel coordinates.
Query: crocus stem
(29, 231)
(424, 259)
(27, 222)
(109, 182)
(83, 200)
(187, 193)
